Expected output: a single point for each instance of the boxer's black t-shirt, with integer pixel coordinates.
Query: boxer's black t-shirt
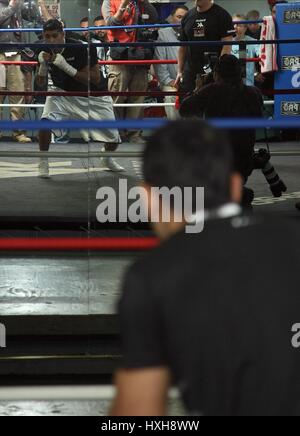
(212, 25)
(79, 58)
(218, 309)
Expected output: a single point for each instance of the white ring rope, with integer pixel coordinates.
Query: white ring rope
(145, 105)
(64, 393)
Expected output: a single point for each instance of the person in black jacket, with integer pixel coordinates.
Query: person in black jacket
(228, 97)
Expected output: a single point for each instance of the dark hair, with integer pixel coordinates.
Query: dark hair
(53, 25)
(253, 15)
(229, 69)
(84, 20)
(190, 154)
(99, 18)
(185, 8)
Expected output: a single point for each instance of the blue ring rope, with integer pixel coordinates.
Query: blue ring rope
(234, 123)
(137, 26)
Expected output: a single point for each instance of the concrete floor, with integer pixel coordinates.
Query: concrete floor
(64, 286)
(70, 408)
(71, 191)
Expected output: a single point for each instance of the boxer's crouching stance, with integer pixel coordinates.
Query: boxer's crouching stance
(72, 69)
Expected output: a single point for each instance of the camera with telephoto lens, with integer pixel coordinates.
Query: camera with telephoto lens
(31, 12)
(146, 52)
(206, 77)
(262, 161)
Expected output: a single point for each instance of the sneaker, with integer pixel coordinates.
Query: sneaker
(65, 139)
(109, 164)
(44, 169)
(22, 138)
(136, 138)
(85, 136)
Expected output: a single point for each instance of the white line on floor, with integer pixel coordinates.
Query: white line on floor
(263, 201)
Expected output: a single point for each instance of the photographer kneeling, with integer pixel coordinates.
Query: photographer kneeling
(124, 78)
(228, 97)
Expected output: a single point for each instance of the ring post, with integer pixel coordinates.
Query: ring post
(288, 77)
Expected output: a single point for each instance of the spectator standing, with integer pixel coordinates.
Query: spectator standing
(254, 29)
(167, 74)
(206, 22)
(124, 78)
(250, 51)
(11, 77)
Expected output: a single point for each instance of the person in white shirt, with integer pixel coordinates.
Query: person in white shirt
(167, 74)
(252, 51)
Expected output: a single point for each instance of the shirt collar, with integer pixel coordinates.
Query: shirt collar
(226, 211)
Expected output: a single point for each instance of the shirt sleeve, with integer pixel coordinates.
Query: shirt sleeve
(183, 35)
(226, 25)
(141, 333)
(108, 12)
(162, 71)
(93, 56)
(6, 12)
(195, 104)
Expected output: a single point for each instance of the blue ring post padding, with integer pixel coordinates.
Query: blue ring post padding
(230, 123)
(137, 26)
(149, 44)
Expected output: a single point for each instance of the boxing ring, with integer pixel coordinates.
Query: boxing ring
(91, 244)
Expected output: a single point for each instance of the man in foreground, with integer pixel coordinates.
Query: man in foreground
(215, 313)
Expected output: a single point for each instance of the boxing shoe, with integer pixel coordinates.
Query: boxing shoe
(44, 169)
(110, 164)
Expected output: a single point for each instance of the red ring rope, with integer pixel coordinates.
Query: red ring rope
(90, 94)
(127, 94)
(78, 244)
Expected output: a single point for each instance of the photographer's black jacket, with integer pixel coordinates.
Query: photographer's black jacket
(222, 100)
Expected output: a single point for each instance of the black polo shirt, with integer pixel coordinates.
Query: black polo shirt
(212, 25)
(218, 308)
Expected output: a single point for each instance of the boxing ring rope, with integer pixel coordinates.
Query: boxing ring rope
(117, 94)
(147, 124)
(129, 27)
(78, 244)
(135, 63)
(95, 154)
(236, 123)
(20, 45)
(145, 105)
(71, 154)
(130, 63)
(65, 393)
(90, 94)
